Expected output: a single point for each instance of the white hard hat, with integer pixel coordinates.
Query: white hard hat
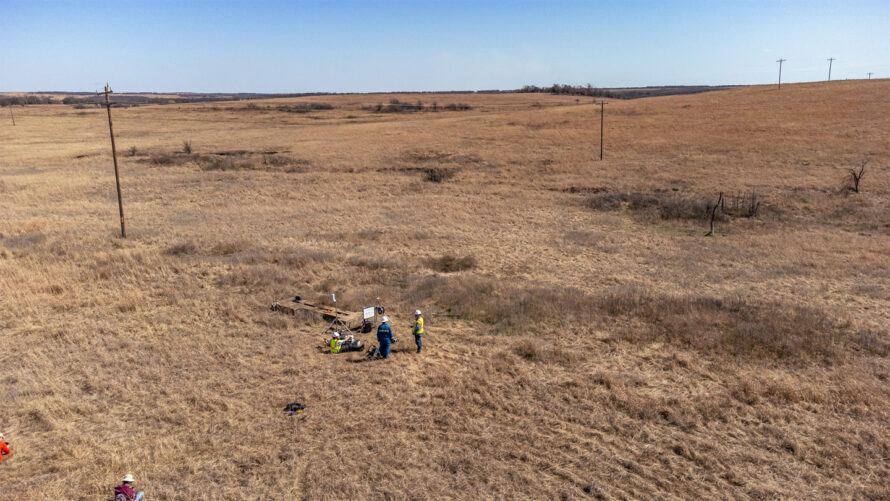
(384, 319)
(128, 478)
(417, 312)
(336, 334)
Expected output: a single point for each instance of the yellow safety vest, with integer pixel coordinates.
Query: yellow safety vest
(335, 345)
(418, 326)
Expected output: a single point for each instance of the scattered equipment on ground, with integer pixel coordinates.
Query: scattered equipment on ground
(341, 321)
(294, 408)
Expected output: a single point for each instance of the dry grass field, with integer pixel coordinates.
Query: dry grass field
(585, 339)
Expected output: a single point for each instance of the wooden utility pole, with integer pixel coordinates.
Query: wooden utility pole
(117, 179)
(869, 75)
(830, 60)
(13, 116)
(602, 123)
(780, 61)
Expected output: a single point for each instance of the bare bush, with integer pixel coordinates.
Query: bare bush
(438, 175)
(457, 107)
(371, 262)
(741, 204)
(285, 163)
(181, 248)
(175, 158)
(300, 257)
(164, 159)
(665, 205)
(856, 177)
(538, 351)
(227, 163)
(451, 264)
(304, 107)
(396, 106)
(187, 147)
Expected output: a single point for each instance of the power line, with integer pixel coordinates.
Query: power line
(602, 123)
(117, 179)
(780, 61)
(830, 60)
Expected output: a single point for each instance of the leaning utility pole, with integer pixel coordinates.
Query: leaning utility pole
(830, 60)
(780, 61)
(602, 123)
(117, 179)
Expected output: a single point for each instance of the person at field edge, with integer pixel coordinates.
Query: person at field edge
(4, 448)
(125, 491)
(384, 336)
(418, 329)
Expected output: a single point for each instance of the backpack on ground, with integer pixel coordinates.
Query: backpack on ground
(374, 352)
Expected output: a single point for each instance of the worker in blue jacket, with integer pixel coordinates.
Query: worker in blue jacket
(384, 336)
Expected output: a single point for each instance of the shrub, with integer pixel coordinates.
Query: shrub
(450, 264)
(164, 159)
(437, 175)
(304, 107)
(227, 248)
(227, 163)
(173, 158)
(290, 164)
(742, 204)
(665, 205)
(181, 248)
(300, 257)
(187, 147)
(371, 262)
(458, 107)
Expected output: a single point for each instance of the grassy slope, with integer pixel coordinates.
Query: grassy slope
(156, 355)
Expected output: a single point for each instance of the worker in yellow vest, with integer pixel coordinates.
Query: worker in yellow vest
(418, 328)
(344, 343)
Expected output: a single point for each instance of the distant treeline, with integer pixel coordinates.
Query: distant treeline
(23, 100)
(572, 90)
(396, 106)
(84, 99)
(621, 93)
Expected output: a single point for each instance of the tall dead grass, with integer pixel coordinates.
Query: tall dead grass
(749, 366)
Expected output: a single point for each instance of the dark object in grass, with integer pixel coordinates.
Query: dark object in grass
(294, 408)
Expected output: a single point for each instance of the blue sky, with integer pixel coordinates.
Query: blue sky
(228, 46)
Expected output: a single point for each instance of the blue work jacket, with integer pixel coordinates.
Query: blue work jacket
(384, 333)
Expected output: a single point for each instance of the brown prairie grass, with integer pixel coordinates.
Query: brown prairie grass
(583, 338)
